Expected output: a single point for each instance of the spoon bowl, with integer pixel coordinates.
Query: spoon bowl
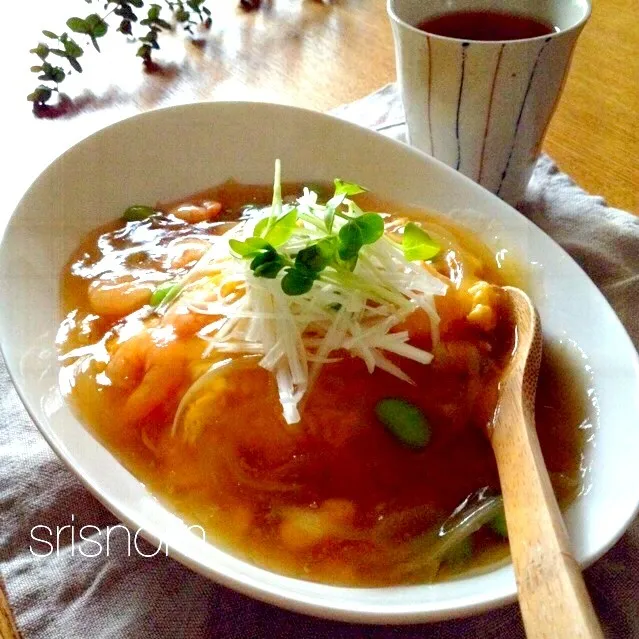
(552, 595)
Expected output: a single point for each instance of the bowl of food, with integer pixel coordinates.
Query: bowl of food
(271, 341)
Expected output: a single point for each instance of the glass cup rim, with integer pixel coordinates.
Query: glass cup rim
(578, 24)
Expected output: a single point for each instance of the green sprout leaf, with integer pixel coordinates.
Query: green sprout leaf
(365, 229)
(316, 257)
(298, 281)
(371, 226)
(268, 268)
(251, 247)
(260, 227)
(329, 215)
(264, 256)
(351, 241)
(417, 244)
(276, 205)
(348, 263)
(347, 188)
(265, 260)
(313, 251)
(280, 231)
(342, 191)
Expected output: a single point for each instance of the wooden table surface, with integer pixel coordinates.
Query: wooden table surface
(313, 55)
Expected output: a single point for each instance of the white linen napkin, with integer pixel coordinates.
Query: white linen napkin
(122, 594)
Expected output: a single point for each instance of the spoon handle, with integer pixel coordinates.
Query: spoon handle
(552, 595)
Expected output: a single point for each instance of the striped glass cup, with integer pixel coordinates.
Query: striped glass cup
(481, 106)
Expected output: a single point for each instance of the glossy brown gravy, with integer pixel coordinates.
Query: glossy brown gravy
(263, 490)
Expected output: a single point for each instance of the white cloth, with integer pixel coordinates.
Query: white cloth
(68, 595)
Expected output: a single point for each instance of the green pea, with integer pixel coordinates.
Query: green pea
(164, 293)
(498, 525)
(138, 212)
(404, 420)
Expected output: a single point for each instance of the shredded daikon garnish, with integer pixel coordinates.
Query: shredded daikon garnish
(311, 282)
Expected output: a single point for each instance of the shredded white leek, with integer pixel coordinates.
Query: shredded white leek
(356, 312)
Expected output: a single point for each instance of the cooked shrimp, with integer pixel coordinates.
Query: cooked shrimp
(185, 252)
(185, 322)
(126, 366)
(151, 368)
(201, 212)
(118, 298)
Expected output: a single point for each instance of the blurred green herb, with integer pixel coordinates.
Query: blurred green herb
(59, 54)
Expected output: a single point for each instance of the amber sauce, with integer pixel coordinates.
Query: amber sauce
(486, 26)
(262, 489)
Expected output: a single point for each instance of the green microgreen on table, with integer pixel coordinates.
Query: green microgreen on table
(140, 21)
(143, 28)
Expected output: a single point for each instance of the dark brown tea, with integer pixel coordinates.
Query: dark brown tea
(485, 25)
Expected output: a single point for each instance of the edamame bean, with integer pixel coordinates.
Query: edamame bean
(137, 212)
(165, 293)
(404, 420)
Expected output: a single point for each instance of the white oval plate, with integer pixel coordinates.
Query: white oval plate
(172, 152)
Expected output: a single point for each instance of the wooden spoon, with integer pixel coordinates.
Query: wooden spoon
(552, 595)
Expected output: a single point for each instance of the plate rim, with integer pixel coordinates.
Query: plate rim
(307, 607)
